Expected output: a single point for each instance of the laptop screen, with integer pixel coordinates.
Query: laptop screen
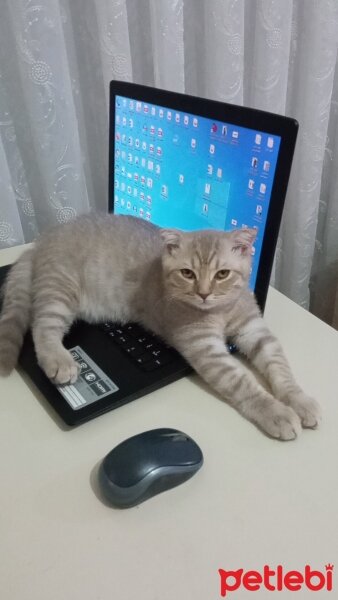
(180, 170)
(192, 163)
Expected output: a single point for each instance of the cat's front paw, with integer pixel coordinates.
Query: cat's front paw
(61, 368)
(306, 408)
(280, 422)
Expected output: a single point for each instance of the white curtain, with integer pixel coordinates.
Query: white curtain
(58, 56)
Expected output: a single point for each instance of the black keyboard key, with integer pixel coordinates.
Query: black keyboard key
(144, 358)
(151, 346)
(164, 359)
(114, 332)
(144, 339)
(157, 352)
(135, 330)
(124, 340)
(148, 351)
(118, 330)
(157, 362)
(108, 326)
(134, 350)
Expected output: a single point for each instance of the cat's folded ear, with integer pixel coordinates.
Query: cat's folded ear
(242, 240)
(172, 239)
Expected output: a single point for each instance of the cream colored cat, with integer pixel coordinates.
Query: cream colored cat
(189, 288)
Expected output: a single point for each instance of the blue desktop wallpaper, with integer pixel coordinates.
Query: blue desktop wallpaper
(181, 170)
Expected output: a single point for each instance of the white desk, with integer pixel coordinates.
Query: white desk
(256, 501)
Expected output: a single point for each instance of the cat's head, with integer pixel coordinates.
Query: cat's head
(206, 269)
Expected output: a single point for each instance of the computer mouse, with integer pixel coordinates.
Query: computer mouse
(147, 464)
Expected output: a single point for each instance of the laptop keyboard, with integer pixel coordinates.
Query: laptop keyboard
(143, 347)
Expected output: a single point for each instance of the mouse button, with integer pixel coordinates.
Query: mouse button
(193, 452)
(127, 464)
(178, 452)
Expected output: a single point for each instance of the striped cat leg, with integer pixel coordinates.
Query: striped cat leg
(207, 354)
(263, 349)
(51, 322)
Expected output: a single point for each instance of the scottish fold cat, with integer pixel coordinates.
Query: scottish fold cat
(191, 289)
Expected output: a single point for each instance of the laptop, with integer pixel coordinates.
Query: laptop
(184, 162)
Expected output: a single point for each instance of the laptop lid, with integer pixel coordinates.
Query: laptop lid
(191, 163)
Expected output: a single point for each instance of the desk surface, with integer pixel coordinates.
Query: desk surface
(256, 501)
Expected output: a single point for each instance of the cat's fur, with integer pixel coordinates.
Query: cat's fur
(120, 268)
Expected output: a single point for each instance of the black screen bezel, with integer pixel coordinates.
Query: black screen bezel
(259, 120)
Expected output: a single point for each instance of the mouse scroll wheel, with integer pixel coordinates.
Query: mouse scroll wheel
(177, 437)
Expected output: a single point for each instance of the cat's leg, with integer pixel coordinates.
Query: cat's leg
(207, 354)
(265, 352)
(54, 313)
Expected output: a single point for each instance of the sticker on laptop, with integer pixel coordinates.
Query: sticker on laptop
(91, 385)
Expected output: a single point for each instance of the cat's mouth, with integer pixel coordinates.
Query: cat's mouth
(199, 302)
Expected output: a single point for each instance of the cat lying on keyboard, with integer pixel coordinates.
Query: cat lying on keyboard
(191, 289)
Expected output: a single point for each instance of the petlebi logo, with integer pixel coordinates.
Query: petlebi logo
(276, 579)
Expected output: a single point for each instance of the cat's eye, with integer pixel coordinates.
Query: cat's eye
(222, 274)
(188, 273)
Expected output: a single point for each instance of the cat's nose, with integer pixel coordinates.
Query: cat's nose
(203, 296)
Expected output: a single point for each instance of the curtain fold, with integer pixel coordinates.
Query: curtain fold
(309, 100)
(224, 50)
(271, 48)
(166, 27)
(10, 225)
(56, 61)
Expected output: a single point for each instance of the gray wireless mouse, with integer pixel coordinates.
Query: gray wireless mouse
(147, 464)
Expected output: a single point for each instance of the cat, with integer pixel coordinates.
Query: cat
(190, 288)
